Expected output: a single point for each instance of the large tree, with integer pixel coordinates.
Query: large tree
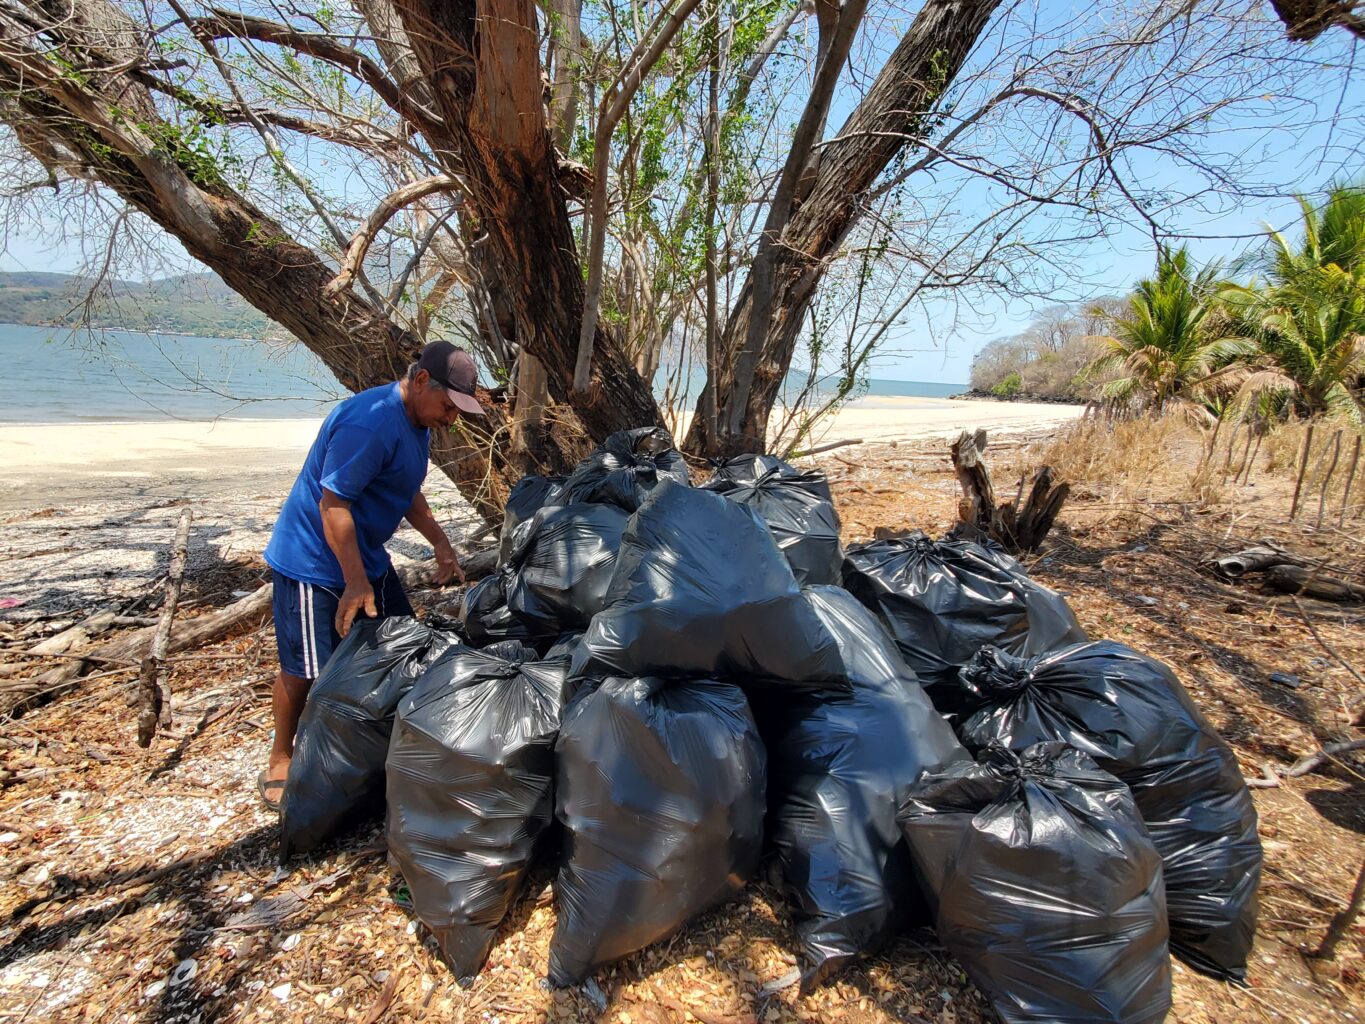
(591, 190)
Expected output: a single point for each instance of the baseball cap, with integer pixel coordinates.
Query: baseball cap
(452, 368)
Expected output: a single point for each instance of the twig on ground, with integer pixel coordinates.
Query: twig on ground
(1312, 762)
(1343, 920)
(826, 448)
(1267, 780)
(1324, 644)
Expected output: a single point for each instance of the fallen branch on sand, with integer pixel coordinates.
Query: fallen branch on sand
(154, 697)
(133, 647)
(1286, 572)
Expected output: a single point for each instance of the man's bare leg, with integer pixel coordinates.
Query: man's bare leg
(287, 700)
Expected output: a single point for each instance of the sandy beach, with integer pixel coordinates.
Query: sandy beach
(89, 508)
(43, 465)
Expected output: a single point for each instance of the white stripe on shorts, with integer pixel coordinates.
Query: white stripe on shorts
(305, 606)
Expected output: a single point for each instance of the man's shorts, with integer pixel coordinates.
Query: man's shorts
(305, 619)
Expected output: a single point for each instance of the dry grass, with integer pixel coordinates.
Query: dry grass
(1121, 464)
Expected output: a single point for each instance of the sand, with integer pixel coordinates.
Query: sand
(87, 510)
(54, 465)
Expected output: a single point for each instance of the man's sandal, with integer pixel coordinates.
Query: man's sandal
(266, 787)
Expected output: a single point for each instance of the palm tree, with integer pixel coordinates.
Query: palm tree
(1310, 314)
(1169, 345)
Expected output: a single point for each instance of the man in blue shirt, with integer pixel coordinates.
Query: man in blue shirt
(362, 478)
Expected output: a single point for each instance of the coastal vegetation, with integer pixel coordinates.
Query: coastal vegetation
(199, 305)
(1286, 341)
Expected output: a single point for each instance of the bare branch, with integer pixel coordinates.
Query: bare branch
(388, 206)
(614, 104)
(224, 24)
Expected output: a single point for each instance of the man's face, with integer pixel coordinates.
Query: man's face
(431, 405)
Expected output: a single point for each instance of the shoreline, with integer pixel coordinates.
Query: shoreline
(57, 464)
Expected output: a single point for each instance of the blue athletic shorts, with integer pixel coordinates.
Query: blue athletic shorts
(305, 619)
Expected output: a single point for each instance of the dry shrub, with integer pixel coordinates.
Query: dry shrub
(1283, 448)
(1128, 461)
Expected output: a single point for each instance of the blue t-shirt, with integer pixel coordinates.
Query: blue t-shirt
(369, 453)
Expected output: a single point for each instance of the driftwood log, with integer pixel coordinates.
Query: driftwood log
(1019, 525)
(1287, 572)
(154, 692)
(131, 648)
(1310, 582)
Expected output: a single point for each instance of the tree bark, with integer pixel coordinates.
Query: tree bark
(889, 118)
(249, 250)
(482, 59)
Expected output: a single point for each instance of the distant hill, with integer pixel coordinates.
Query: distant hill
(197, 304)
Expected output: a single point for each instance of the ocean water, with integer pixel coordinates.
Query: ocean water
(54, 375)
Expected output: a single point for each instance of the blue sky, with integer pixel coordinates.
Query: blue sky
(1271, 143)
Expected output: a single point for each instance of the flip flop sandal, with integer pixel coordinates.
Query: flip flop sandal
(265, 787)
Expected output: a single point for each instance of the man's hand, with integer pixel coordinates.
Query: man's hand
(447, 565)
(355, 598)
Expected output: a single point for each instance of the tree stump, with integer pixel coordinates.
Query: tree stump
(1019, 525)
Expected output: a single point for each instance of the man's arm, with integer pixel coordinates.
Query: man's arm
(447, 565)
(339, 529)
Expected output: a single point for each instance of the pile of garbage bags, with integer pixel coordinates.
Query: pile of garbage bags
(661, 684)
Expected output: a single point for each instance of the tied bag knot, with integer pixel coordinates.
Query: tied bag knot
(993, 673)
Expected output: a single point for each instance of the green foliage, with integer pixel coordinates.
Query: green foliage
(196, 147)
(1308, 315)
(195, 304)
(1164, 344)
(1009, 387)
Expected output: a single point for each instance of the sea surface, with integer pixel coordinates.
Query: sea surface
(55, 375)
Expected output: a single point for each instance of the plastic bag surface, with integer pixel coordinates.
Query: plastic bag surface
(528, 496)
(336, 778)
(701, 589)
(942, 601)
(557, 575)
(796, 506)
(1047, 887)
(624, 468)
(660, 790)
(484, 615)
(1131, 714)
(470, 789)
(839, 765)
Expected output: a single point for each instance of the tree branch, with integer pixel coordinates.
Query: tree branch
(224, 24)
(614, 104)
(388, 206)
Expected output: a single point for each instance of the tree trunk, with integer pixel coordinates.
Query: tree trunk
(483, 61)
(219, 227)
(890, 117)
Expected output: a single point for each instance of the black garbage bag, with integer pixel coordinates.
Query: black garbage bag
(336, 778)
(557, 575)
(839, 764)
(624, 468)
(564, 646)
(942, 601)
(471, 789)
(528, 496)
(1046, 886)
(795, 504)
(701, 589)
(1130, 713)
(484, 615)
(660, 792)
